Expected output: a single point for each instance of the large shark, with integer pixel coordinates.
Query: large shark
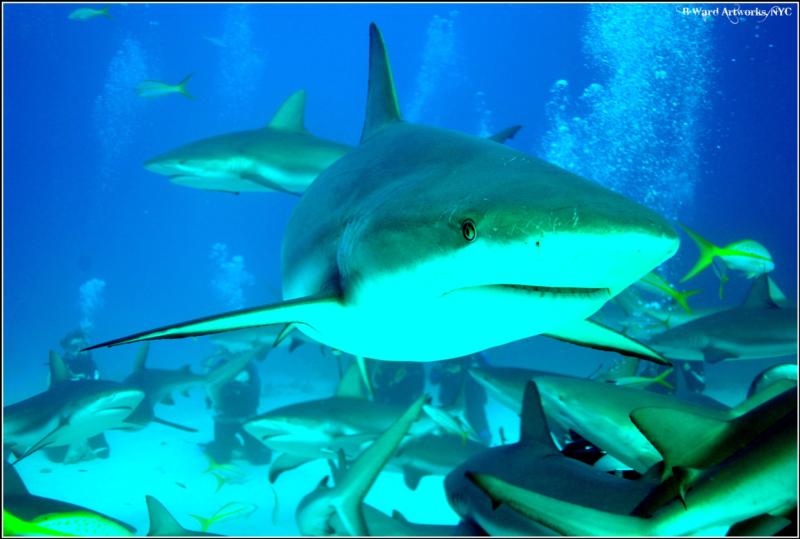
(755, 482)
(759, 328)
(458, 241)
(535, 463)
(68, 413)
(282, 156)
(27, 514)
(337, 510)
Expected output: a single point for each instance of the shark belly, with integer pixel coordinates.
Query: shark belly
(449, 326)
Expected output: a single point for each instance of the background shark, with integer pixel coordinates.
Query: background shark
(282, 156)
(535, 463)
(759, 328)
(534, 250)
(67, 413)
(338, 510)
(757, 480)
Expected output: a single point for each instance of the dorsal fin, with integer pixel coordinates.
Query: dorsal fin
(533, 429)
(291, 114)
(59, 372)
(776, 294)
(382, 107)
(12, 481)
(759, 295)
(141, 357)
(161, 521)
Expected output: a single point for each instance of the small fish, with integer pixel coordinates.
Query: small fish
(45, 470)
(180, 484)
(155, 88)
(86, 13)
(234, 510)
(217, 41)
(747, 256)
(655, 283)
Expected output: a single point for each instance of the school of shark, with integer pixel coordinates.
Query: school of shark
(418, 251)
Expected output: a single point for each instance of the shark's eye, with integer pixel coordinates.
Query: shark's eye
(468, 230)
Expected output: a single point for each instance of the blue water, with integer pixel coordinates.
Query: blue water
(695, 118)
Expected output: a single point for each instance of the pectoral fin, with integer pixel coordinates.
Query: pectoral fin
(594, 335)
(300, 311)
(713, 354)
(285, 462)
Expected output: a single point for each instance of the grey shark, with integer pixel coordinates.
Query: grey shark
(282, 156)
(507, 384)
(319, 428)
(67, 413)
(535, 463)
(160, 384)
(432, 454)
(756, 481)
(27, 514)
(759, 328)
(338, 510)
(462, 242)
(600, 412)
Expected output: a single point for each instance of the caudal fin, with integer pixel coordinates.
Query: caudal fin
(182, 86)
(707, 253)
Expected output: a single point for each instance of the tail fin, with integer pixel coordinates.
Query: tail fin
(681, 297)
(707, 253)
(182, 86)
(104, 12)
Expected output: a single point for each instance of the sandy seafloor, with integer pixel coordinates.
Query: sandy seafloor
(155, 459)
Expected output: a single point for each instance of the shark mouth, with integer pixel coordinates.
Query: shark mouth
(546, 291)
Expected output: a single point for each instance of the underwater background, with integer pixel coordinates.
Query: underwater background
(92, 240)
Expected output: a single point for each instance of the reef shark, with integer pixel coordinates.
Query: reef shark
(756, 482)
(759, 328)
(27, 514)
(337, 510)
(461, 242)
(317, 429)
(67, 413)
(432, 454)
(281, 156)
(535, 463)
(600, 412)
